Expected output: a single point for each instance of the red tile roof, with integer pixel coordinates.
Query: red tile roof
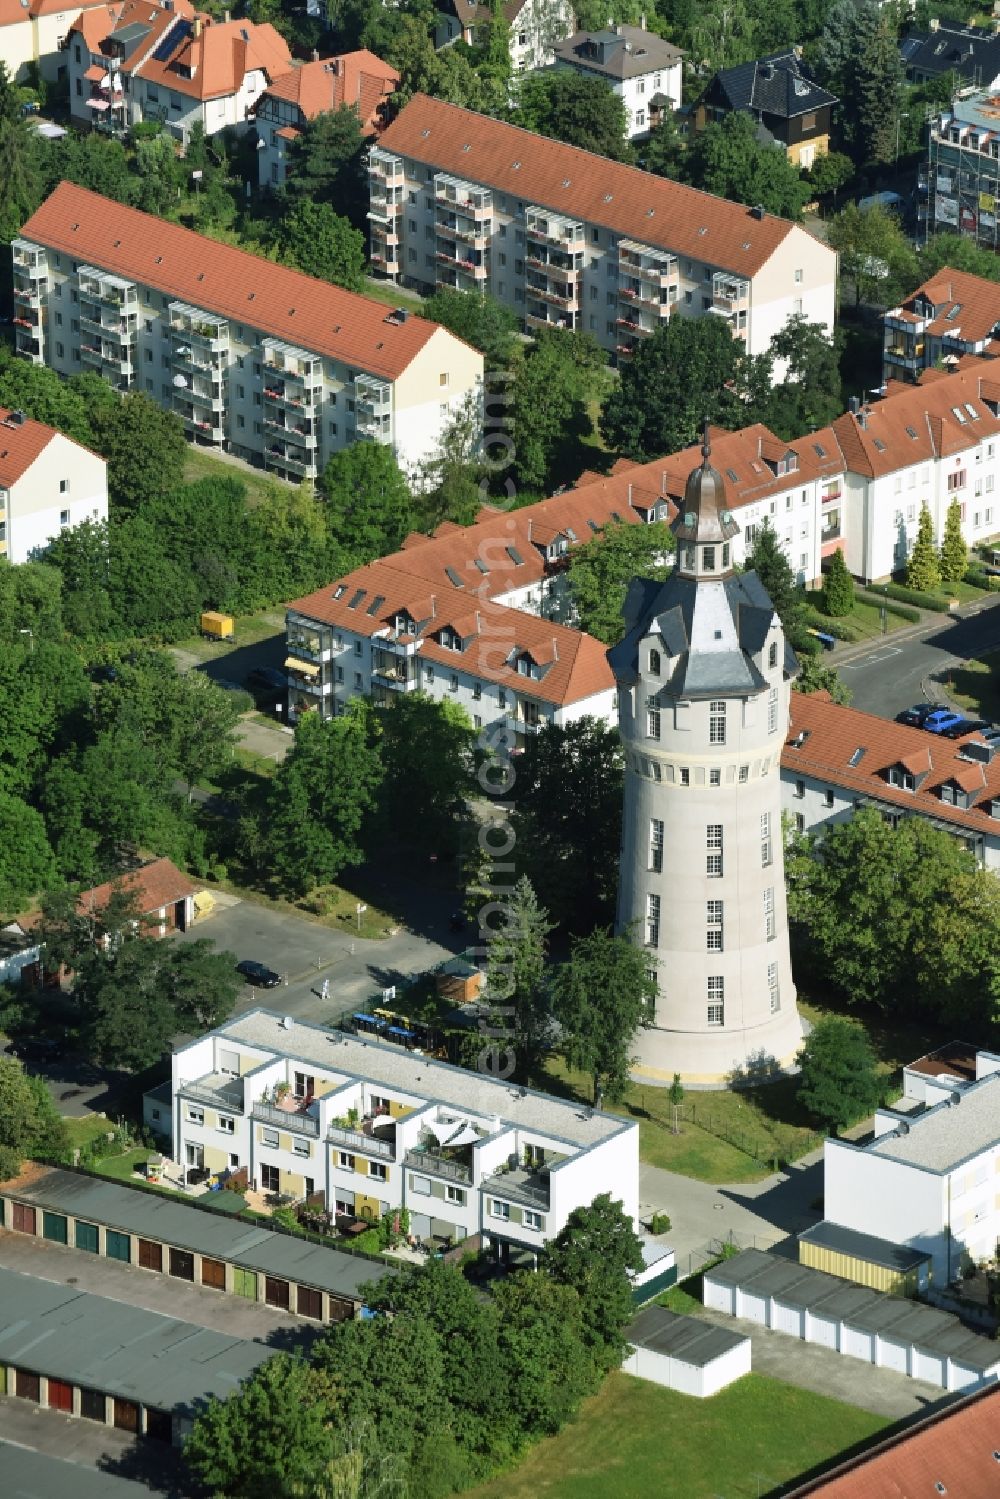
(976, 300)
(308, 313)
(834, 734)
(156, 884)
(212, 63)
(914, 423)
(358, 79)
(953, 1452)
(581, 185)
(21, 443)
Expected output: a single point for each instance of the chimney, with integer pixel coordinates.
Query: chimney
(226, 17)
(854, 405)
(315, 54)
(757, 211)
(197, 26)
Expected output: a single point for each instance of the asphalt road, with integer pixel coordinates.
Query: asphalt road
(888, 676)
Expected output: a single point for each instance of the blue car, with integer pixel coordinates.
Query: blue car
(941, 720)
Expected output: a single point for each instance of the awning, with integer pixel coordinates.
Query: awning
(98, 104)
(464, 1136)
(397, 1030)
(304, 668)
(358, 1015)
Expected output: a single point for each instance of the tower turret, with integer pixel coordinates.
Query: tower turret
(704, 676)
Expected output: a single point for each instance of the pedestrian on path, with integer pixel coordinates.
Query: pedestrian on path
(325, 990)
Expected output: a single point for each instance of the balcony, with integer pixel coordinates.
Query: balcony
(105, 290)
(289, 370)
(358, 1140)
(730, 294)
(515, 723)
(210, 399)
(294, 1120)
(218, 1089)
(29, 259)
(383, 166)
(656, 266)
(910, 355)
(209, 431)
(529, 1187)
(205, 330)
(107, 326)
(829, 495)
(432, 1163)
(297, 463)
(553, 229)
(567, 297)
(463, 197)
(537, 320)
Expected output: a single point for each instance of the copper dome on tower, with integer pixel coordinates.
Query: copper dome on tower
(704, 514)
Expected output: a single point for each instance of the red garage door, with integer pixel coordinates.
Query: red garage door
(60, 1395)
(23, 1218)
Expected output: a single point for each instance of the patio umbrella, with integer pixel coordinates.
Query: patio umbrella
(464, 1136)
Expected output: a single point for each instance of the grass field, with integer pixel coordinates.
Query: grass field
(200, 464)
(634, 1440)
(394, 296)
(82, 1131)
(250, 629)
(864, 621)
(975, 686)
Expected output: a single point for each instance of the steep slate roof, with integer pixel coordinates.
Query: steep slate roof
(773, 85)
(214, 63)
(834, 734)
(629, 52)
(972, 52)
(580, 184)
(156, 884)
(289, 305)
(914, 423)
(358, 79)
(953, 1449)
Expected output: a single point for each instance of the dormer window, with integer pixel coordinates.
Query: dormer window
(901, 777)
(654, 663)
(772, 655)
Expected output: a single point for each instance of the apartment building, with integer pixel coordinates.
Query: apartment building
(535, 27)
(35, 31)
(566, 238)
(928, 1178)
(48, 483)
(257, 360)
(371, 1126)
(837, 759)
(356, 80)
(153, 62)
(640, 67)
(952, 316)
(962, 178)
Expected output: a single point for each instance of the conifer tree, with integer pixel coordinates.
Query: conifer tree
(922, 570)
(954, 552)
(838, 588)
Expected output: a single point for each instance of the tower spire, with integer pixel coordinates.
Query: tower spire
(704, 527)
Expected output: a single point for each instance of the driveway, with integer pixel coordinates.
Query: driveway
(754, 1215)
(155, 1466)
(306, 953)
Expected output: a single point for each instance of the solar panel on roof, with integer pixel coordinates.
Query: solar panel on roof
(178, 32)
(858, 756)
(481, 565)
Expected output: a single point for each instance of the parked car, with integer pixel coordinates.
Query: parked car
(966, 727)
(941, 720)
(916, 715)
(267, 679)
(258, 974)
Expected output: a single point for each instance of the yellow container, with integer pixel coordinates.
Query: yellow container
(217, 626)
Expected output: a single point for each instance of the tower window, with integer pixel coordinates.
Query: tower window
(708, 559)
(685, 776)
(656, 844)
(772, 985)
(652, 718)
(765, 839)
(725, 555)
(654, 663)
(716, 1014)
(713, 920)
(769, 925)
(713, 844)
(717, 723)
(772, 710)
(652, 921)
(744, 774)
(772, 655)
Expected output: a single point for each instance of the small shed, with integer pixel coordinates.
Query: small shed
(685, 1353)
(20, 957)
(459, 981)
(659, 1270)
(864, 1259)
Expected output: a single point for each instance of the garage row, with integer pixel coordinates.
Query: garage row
(888, 1331)
(190, 1244)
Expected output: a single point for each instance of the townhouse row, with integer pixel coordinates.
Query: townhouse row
(568, 239)
(370, 1127)
(258, 360)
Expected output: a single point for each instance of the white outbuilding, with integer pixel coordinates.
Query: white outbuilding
(684, 1353)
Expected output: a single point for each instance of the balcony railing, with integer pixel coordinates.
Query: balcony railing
(432, 1164)
(518, 1190)
(356, 1139)
(228, 1096)
(297, 1124)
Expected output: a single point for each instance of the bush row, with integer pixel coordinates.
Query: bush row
(935, 601)
(901, 611)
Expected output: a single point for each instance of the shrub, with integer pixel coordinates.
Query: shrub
(659, 1223)
(900, 611)
(935, 601)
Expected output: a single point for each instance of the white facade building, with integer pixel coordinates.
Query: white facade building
(257, 359)
(371, 1127)
(535, 28)
(704, 678)
(563, 237)
(640, 67)
(48, 484)
(35, 31)
(928, 1179)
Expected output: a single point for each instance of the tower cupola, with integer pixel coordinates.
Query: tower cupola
(704, 527)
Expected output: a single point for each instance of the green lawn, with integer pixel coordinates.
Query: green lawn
(199, 463)
(249, 629)
(122, 1167)
(395, 296)
(975, 686)
(864, 622)
(634, 1440)
(82, 1131)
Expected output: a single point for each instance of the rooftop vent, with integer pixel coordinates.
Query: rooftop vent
(757, 211)
(16, 419)
(396, 316)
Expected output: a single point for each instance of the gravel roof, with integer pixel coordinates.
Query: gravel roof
(950, 1132)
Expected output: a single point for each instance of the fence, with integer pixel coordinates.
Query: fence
(762, 1139)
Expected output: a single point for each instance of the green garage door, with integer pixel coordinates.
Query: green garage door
(118, 1246)
(86, 1236)
(54, 1227)
(245, 1283)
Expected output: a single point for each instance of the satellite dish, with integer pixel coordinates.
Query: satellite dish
(180, 382)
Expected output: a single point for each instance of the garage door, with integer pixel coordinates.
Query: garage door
(754, 1308)
(213, 1273)
(786, 1319)
(126, 1414)
(276, 1292)
(150, 1254)
(86, 1236)
(54, 1228)
(93, 1406)
(719, 1298)
(181, 1264)
(894, 1356)
(117, 1246)
(858, 1344)
(159, 1425)
(27, 1385)
(23, 1218)
(822, 1330)
(928, 1366)
(245, 1283)
(60, 1395)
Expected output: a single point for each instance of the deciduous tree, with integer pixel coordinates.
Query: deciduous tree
(542, 1347)
(368, 502)
(838, 1082)
(601, 570)
(810, 395)
(593, 1252)
(326, 164)
(323, 244)
(28, 1119)
(145, 449)
(874, 253)
(425, 806)
(477, 318)
(27, 864)
(600, 997)
(572, 107)
(552, 385)
(728, 159)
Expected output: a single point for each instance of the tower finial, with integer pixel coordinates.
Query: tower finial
(706, 442)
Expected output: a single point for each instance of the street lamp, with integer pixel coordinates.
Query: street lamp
(31, 637)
